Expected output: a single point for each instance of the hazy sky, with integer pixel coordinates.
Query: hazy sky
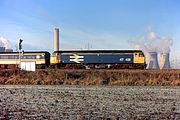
(103, 24)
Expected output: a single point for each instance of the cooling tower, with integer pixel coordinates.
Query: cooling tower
(56, 39)
(2, 49)
(153, 61)
(164, 61)
(8, 50)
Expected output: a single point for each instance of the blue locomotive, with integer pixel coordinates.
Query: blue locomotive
(115, 59)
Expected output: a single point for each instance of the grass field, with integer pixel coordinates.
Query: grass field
(89, 102)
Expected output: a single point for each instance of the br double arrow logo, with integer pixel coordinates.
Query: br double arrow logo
(76, 58)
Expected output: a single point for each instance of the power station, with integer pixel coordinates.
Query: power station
(153, 60)
(164, 62)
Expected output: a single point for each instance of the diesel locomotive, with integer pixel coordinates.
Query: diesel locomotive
(112, 59)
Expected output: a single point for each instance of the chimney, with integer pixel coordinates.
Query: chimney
(164, 61)
(56, 39)
(153, 61)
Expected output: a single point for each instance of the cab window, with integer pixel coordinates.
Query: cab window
(141, 55)
(136, 54)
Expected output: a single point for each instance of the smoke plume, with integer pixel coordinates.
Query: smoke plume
(151, 42)
(4, 43)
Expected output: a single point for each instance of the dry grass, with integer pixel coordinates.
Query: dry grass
(91, 77)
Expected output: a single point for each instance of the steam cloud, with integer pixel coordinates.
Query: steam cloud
(4, 43)
(150, 42)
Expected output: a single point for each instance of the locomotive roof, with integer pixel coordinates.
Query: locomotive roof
(98, 51)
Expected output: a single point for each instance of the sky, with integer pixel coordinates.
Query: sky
(93, 24)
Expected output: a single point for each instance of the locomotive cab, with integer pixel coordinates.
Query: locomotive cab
(139, 57)
(55, 58)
